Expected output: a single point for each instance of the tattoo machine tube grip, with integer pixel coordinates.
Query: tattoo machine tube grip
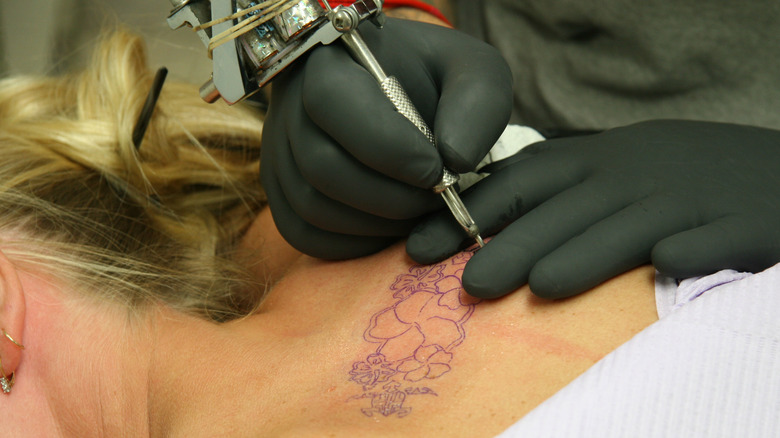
(395, 92)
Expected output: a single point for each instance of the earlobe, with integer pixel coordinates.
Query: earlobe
(12, 315)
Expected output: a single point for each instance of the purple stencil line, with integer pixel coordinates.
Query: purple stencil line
(415, 337)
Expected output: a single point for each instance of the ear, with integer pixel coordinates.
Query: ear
(12, 314)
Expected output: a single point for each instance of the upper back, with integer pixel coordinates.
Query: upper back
(381, 346)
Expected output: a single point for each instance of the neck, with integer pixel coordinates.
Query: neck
(120, 390)
(199, 372)
(231, 379)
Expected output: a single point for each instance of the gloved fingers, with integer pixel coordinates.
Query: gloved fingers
(436, 238)
(323, 212)
(310, 239)
(334, 172)
(525, 153)
(414, 53)
(493, 203)
(343, 99)
(505, 262)
(474, 108)
(610, 247)
(730, 242)
(330, 175)
(466, 83)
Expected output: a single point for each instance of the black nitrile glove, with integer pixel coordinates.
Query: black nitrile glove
(692, 197)
(345, 173)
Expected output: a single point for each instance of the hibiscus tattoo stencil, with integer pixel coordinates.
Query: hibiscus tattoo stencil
(415, 337)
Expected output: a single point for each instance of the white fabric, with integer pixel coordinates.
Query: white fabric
(512, 140)
(710, 367)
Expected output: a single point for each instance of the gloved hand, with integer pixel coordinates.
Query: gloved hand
(692, 197)
(345, 173)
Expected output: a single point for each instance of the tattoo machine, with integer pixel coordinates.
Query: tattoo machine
(250, 41)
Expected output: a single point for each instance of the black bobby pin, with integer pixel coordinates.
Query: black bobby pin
(146, 113)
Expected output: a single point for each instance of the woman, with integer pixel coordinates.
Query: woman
(133, 280)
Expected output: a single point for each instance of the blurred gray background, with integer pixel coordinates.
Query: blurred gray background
(53, 36)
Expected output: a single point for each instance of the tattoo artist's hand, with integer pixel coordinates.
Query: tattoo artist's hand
(692, 197)
(345, 173)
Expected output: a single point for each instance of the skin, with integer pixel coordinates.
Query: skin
(443, 6)
(89, 370)
(418, 15)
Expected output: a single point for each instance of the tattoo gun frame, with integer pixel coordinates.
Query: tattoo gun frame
(243, 65)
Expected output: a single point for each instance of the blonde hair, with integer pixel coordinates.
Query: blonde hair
(139, 226)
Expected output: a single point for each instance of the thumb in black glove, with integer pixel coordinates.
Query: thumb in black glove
(345, 173)
(692, 197)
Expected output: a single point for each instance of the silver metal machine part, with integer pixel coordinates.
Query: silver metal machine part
(245, 63)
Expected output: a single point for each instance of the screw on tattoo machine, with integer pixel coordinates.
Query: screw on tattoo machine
(251, 41)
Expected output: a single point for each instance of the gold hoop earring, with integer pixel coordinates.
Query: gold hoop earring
(12, 339)
(5, 383)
